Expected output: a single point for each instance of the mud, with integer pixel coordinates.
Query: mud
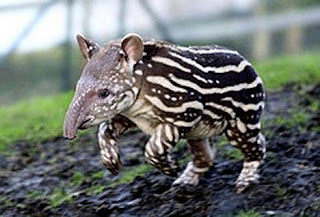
(31, 174)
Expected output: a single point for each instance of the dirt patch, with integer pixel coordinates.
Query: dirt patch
(63, 178)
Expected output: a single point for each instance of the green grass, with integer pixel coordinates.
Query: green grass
(131, 174)
(40, 119)
(280, 71)
(33, 120)
(297, 118)
(249, 213)
(60, 196)
(95, 189)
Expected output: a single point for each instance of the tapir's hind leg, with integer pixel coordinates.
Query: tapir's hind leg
(202, 157)
(253, 146)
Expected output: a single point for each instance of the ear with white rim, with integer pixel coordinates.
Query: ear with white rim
(132, 46)
(87, 47)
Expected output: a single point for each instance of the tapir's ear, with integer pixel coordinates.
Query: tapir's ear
(132, 45)
(87, 47)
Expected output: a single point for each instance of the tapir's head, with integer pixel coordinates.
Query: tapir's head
(105, 87)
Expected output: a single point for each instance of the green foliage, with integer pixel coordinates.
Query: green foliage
(78, 179)
(131, 174)
(249, 213)
(60, 196)
(280, 71)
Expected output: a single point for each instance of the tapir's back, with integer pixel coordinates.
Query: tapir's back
(187, 85)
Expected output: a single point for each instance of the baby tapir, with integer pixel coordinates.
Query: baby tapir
(170, 92)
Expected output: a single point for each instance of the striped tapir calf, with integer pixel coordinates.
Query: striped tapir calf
(170, 92)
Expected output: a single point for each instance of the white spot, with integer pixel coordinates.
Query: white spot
(174, 98)
(153, 90)
(167, 96)
(121, 70)
(149, 65)
(217, 81)
(128, 82)
(138, 72)
(170, 120)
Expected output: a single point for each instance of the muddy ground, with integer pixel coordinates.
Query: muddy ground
(63, 178)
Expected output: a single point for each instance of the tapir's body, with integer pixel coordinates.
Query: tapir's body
(170, 92)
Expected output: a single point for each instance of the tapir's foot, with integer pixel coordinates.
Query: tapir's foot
(190, 176)
(164, 163)
(249, 175)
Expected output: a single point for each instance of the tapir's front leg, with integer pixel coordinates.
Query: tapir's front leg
(107, 135)
(158, 149)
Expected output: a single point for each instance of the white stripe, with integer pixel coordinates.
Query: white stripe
(158, 142)
(200, 78)
(169, 62)
(168, 132)
(162, 81)
(241, 126)
(254, 126)
(215, 90)
(187, 124)
(223, 108)
(244, 107)
(159, 104)
(211, 114)
(222, 69)
(207, 51)
(176, 134)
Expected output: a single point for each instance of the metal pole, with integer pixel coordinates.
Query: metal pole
(122, 17)
(157, 21)
(26, 30)
(67, 57)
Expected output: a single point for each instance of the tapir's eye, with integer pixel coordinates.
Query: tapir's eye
(103, 93)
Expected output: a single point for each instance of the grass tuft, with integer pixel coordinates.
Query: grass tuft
(131, 174)
(249, 213)
(60, 196)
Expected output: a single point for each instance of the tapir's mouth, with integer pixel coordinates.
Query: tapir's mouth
(86, 123)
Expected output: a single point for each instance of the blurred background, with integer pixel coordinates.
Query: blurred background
(39, 55)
